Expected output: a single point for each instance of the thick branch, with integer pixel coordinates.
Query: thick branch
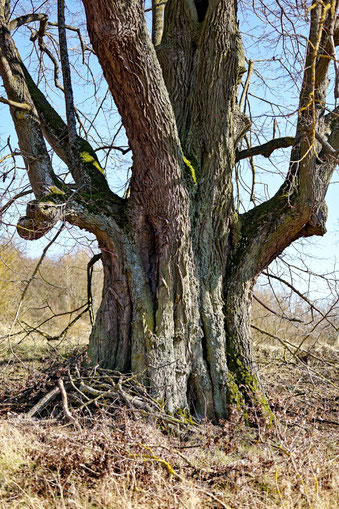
(176, 56)
(75, 166)
(121, 41)
(158, 7)
(41, 216)
(298, 208)
(55, 131)
(66, 73)
(288, 141)
(267, 148)
(73, 150)
(28, 18)
(26, 123)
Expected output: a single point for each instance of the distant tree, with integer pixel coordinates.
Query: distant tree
(179, 260)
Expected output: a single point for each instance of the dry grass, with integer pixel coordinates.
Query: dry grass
(129, 462)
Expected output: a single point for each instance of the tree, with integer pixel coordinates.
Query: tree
(179, 260)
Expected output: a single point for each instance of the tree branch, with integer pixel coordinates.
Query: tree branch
(14, 104)
(28, 18)
(55, 130)
(13, 199)
(283, 316)
(113, 147)
(302, 296)
(69, 417)
(147, 116)
(297, 209)
(82, 160)
(31, 141)
(267, 148)
(176, 52)
(66, 73)
(158, 7)
(74, 159)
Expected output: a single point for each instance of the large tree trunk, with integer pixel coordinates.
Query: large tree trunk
(188, 334)
(179, 261)
(187, 326)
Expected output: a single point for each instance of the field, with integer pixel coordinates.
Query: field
(132, 460)
(108, 453)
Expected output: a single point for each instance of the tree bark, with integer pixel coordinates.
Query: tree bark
(179, 262)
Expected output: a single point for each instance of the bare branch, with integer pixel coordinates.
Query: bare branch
(284, 317)
(75, 166)
(32, 277)
(14, 104)
(38, 407)
(113, 147)
(158, 7)
(13, 199)
(267, 148)
(62, 335)
(55, 130)
(302, 296)
(247, 83)
(77, 30)
(69, 417)
(31, 141)
(287, 344)
(28, 18)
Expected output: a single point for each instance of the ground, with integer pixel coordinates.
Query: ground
(115, 455)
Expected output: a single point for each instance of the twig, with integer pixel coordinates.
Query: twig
(12, 200)
(113, 147)
(69, 417)
(275, 313)
(32, 277)
(295, 290)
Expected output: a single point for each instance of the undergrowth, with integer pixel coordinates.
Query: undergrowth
(114, 455)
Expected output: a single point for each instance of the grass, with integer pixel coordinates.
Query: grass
(128, 462)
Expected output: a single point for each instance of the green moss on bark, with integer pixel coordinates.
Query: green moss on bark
(244, 388)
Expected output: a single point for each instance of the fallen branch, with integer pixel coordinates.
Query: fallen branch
(69, 417)
(50, 396)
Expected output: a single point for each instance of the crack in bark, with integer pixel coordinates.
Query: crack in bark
(201, 7)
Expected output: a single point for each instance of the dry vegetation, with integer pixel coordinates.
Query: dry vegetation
(114, 455)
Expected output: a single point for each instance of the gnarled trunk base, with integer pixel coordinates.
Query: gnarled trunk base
(193, 354)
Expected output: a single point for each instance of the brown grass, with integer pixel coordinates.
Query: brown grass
(129, 462)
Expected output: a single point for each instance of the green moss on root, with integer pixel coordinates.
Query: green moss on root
(252, 392)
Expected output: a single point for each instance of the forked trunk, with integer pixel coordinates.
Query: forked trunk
(179, 261)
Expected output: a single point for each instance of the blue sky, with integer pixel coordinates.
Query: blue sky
(272, 81)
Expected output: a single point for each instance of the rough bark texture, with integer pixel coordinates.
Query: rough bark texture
(179, 262)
